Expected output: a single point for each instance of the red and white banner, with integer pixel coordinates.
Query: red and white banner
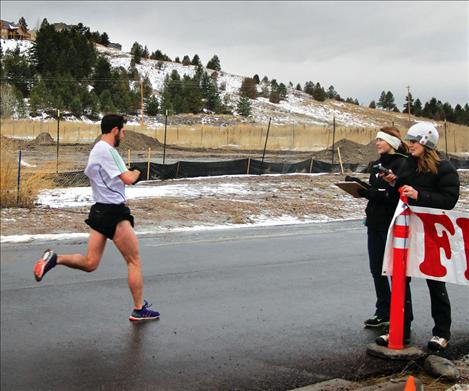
(438, 244)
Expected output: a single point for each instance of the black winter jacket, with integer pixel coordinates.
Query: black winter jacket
(440, 191)
(382, 197)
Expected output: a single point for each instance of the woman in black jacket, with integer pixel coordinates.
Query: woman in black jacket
(428, 181)
(382, 202)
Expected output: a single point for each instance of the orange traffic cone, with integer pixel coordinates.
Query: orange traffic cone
(410, 384)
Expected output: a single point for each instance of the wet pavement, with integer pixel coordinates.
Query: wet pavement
(247, 309)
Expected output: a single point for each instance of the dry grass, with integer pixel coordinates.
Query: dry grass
(31, 182)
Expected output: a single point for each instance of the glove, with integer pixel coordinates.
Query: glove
(139, 177)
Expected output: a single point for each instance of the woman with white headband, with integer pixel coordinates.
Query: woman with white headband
(382, 202)
(427, 180)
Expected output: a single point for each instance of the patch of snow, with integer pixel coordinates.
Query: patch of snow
(12, 44)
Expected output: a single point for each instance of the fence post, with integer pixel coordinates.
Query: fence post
(19, 178)
(266, 138)
(249, 165)
(165, 126)
(148, 165)
(58, 139)
(311, 166)
(333, 140)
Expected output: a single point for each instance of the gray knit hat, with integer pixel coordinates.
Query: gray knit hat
(425, 133)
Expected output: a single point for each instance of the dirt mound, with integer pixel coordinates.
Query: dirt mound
(43, 138)
(350, 152)
(135, 142)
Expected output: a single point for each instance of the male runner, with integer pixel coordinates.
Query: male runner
(109, 217)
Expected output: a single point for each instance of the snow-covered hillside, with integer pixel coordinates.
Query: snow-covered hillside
(297, 108)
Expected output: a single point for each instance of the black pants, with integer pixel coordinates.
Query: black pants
(440, 309)
(376, 246)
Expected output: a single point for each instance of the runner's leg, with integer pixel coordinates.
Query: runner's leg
(90, 261)
(127, 243)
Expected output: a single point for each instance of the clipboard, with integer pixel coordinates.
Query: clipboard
(351, 188)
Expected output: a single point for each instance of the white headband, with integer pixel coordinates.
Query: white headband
(391, 140)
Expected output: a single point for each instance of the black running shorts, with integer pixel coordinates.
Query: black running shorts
(105, 217)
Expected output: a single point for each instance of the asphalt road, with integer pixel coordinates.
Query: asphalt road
(248, 309)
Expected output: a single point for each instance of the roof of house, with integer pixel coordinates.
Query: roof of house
(9, 25)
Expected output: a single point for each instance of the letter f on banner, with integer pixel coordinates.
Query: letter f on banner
(464, 225)
(431, 264)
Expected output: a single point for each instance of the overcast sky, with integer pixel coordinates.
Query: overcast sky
(361, 48)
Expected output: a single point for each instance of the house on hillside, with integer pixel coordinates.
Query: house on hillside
(11, 30)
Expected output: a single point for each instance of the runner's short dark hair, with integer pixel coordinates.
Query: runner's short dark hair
(110, 121)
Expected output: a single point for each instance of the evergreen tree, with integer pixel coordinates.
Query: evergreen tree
(256, 78)
(395, 109)
(136, 51)
(186, 60)
(40, 99)
(265, 79)
(145, 53)
(417, 107)
(102, 75)
(282, 91)
(318, 93)
(214, 63)
(372, 105)
(75, 106)
(105, 39)
(177, 60)
(331, 92)
(151, 106)
(18, 71)
(22, 23)
(389, 101)
(408, 99)
(298, 87)
(248, 88)
(196, 60)
(274, 96)
(356, 102)
(244, 106)
(309, 88)
(106, 103)
(382, 100)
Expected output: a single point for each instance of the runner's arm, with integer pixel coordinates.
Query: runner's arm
(130, 177)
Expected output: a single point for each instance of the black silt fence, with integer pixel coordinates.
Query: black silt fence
(259, 167)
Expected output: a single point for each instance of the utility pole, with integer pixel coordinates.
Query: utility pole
(141, 102)
(408, 101)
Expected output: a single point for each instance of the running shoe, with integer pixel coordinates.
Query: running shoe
(376, 321)
(437, 343)
(383, 340)
(145, 313)
(47, 262)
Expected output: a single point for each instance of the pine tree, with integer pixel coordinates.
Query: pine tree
(331, 92)
(196, 60)
(244, 106)
(145, 53)
(106, 103)
(151, 106)
(214, 63)
(186, 60)
(274, 96)
(104, 39)
(265, 79)
(248, 88)
(298, 87)
(102, 75)
(406, 104)
(23, 24)
(318, 93)
(282, 91)
(177, 60)
(417, 108)
(389, 101)
(256, 78)
(382, 100)
(372, 105)
(136, 52)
